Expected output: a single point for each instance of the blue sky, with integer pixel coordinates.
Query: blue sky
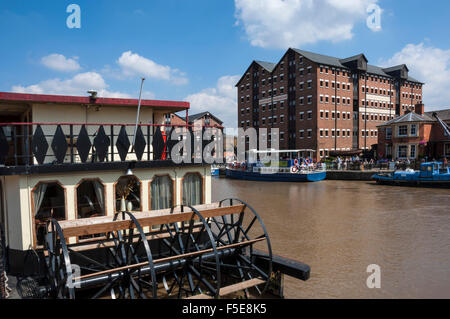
(196, 50)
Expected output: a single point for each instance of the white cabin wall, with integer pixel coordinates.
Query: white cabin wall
(17, 210)
(19, 205)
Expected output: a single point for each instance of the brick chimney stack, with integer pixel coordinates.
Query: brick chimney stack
(420, 109)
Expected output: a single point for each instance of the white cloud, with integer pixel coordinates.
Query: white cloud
(77, 85)
(293, 23)
(133, 64)
(430, 65)
(221, 101)
(59, 62)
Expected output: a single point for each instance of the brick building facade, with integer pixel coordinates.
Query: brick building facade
(415, 135)
(324, 103)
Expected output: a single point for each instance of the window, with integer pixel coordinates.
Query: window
(413, 130)
(413, 151)
(403, 130)
(402, 151)
(48, 202)
(161, 193)
(90, 199)
(192, 189)
(447, 150)
(128, 194)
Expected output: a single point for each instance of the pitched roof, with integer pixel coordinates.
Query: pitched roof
(352, 58)
(269, 66)
(410, 117)
(320, 58)
(333, 61)
(442, 114)
(195, 117)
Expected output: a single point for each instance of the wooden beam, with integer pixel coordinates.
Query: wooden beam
(99, 225)
(171, 258)
(228, 290)
(240, 286)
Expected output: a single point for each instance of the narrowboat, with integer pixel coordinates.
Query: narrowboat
(430, 174)
(283, 170)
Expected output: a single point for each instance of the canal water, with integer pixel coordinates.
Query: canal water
(339, 228)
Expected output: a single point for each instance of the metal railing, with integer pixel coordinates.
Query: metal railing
(29, 144)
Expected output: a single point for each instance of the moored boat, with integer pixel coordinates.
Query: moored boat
(291, 170)
(430, 174)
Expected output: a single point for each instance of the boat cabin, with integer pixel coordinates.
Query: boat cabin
(71, 158)
(434, 168)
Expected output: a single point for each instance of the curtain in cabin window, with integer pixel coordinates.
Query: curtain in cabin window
(192, 190)
(99, 192)
(38, 196)
(161, 193)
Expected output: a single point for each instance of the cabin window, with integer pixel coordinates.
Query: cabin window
(192, 189)
(48, 202)
(128, 194)
(161, 192)
(90, 199)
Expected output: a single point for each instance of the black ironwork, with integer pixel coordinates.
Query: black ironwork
(192, 277)
(158, 144)
(123, 143)
(4, 147)
(59, 145)
(101, 144)
(140, 144)
(83, 144)
(39, 145)
(23, 147)
(248, 225)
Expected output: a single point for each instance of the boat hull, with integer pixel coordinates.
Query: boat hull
(417, 182)
(277, 177)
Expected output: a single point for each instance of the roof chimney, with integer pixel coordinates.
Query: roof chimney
(420, 108)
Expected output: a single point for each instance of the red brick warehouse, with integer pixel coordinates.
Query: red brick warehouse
(324, 103)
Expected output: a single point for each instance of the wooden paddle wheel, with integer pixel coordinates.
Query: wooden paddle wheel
(207, 251)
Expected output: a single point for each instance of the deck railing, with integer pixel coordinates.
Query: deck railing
(31, 144)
